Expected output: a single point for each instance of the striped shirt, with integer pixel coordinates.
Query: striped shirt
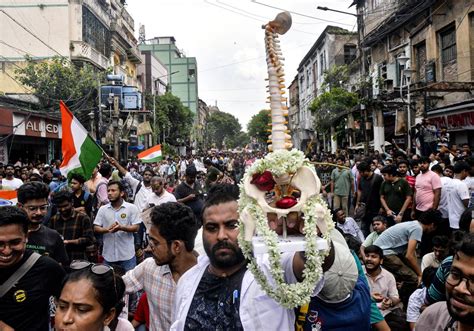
(158, 284)
(437, 291)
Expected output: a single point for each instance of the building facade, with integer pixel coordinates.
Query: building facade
(182, 70)
(335, 46)
(99, 32)
(420, 57)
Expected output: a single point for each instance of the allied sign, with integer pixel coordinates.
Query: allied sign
(36, 126)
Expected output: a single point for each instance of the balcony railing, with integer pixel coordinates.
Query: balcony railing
(81, 50)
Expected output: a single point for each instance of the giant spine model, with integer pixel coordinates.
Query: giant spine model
(282, 186)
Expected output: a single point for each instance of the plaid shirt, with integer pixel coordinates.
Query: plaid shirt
(78, 226)
(157, 282)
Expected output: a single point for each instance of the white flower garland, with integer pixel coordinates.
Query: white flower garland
(288, 295)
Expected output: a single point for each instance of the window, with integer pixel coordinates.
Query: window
(95, 33)
(448, 44)
(191, 73)
(420, 57)
(322, 64)
(308, 75)
(349, 53)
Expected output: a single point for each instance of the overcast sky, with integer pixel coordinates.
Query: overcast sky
(227, 40)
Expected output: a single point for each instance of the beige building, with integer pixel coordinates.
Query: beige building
(420, 53)
(99, 32)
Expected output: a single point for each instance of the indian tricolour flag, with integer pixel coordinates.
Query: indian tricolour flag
(80, 152)
(151, 155)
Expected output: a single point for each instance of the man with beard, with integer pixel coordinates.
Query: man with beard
(33, 199)
(117, 221)
(368, 195)
(24, 306)
(457, 312)
(427, 189)
(160, 194)
(10, 181)
(219, 293)
(383, 288)
(74, 227)
(142, 190)
(171, 238)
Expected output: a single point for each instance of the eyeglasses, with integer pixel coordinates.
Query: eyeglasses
(13, 244)
(99, 269)
(455, 278)
(41, 208)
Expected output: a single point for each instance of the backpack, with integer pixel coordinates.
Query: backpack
(95, 200)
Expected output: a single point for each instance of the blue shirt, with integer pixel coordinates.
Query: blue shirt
(118, 246)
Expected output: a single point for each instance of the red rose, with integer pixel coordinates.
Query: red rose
(286, 202)
(263, 181)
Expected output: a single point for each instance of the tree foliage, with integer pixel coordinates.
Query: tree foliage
(173, 120)
(335, 101)
(258, 126)
(59, 79)
(239, 140)
(222, 128)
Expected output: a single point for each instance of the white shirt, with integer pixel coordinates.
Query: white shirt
(118, 246)
(456, 192)
(158, 200)
(14, 183)
(443, 201)
(429, 260)
(470, 186)
(350, 227)
(141, 197)
(417, 299)
(257, 310)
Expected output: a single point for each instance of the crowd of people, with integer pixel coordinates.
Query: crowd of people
(154, 246)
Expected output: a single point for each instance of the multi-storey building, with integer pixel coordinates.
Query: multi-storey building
(99, 32)
(335, 46)
(293, 113)
(422, 51)
(182, 70)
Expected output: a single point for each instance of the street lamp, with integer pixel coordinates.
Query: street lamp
(337, 11)
(407, 72)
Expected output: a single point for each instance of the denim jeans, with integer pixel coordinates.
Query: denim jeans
(125, 265)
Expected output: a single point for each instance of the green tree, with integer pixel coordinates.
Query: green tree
(258, 126)
(59, 79)
(335, 101)
(173, 120)
(239, 140)
(221, 128)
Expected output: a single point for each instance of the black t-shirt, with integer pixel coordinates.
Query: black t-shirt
(373, 188)
(216, 303)
(324, 174)
(26, 305)
(48, 242)
(84, 200)
(196, 204)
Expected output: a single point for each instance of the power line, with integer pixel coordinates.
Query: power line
(248, 16)
(30, 32)
(299, 14)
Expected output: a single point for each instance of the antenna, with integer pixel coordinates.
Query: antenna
(141, 34)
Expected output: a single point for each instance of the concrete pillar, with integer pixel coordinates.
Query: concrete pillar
(379, 133)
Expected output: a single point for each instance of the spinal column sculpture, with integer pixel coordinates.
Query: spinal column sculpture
(279, 138)
(282, 186)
